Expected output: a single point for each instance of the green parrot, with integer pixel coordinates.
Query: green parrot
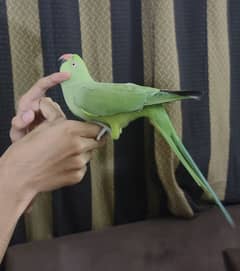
(114, 105)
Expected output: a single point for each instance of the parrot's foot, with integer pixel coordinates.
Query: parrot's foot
(105, 129)
(102, 132)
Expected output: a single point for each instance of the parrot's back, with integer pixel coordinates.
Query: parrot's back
(106, 99)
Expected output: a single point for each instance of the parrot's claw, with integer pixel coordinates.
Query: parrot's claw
(105, 129)
(102, 133)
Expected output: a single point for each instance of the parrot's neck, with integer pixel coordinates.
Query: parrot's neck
(69, 99)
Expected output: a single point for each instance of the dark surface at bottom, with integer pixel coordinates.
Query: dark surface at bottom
(232, 259)
(164, 244)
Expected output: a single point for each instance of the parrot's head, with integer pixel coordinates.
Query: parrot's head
(74, 64)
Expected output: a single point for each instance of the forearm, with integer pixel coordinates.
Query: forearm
(13, 202)
(9, 215)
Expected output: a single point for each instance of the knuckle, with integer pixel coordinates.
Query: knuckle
(47, 99)
(82, 172)
(57, 105)
(40, 81)
(73, 146)
(89, 156)
(43, 82)
(13, 122)
(78, 146)
(51, 79)
(22, 103)
(78, 176)
(12, 135)
(69, 127)
(79, 163)
(59, 110)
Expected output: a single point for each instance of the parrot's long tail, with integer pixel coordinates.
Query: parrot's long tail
(185, 93)
(160, 119)
(168, 96)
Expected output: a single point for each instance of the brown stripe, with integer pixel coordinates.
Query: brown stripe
(97, 52)
(219, 93)
(161, 69)
(27, 67)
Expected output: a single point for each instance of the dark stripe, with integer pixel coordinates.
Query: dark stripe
(127, 57)
(7, 100)
(191, 35)
(152, 176)
(7, 103)
(60, 32)
(6, 85)
(233, 184)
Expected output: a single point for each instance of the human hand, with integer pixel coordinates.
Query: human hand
(53, 155)
(28, 114)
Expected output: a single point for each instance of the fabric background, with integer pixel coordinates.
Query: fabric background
(167, 44)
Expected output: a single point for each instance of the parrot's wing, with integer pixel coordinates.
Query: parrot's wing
(104, 99)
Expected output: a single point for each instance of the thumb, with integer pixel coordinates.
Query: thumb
(50, 110)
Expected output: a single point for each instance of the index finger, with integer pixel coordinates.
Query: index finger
(39, 89)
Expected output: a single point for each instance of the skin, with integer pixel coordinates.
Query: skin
(48, 152)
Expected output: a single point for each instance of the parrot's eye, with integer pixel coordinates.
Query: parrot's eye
(74, 65)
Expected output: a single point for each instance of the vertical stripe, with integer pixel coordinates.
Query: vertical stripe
(219, 93)
(233, 185)
(148, 41)
(95, 24)
(130, 186)
(7, 101)
(60, 33)
(6, 86)
(26, 51)
(157, 198)
(154, 198)
(191, 33)
(161, 68)
(166, 75)
(27, 68)
(38, 220)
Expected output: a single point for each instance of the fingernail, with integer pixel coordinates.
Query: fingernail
(28, 116)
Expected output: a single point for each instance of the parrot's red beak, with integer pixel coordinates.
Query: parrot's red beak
(65, 57)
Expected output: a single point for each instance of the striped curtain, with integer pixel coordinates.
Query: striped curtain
(172, 44)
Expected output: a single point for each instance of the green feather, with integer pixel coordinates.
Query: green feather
(116, 105)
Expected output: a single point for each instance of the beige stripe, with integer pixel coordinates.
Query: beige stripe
(26, 51)
(161, 68)
(27, 67)
(219, 93)
(96, 47)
